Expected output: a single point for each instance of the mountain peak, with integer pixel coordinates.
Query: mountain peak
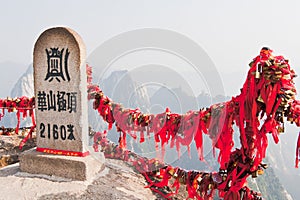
(24, 85)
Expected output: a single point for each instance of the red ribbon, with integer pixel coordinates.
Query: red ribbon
(297, 151)
(62, 152)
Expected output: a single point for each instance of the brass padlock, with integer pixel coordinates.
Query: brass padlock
(254, 174)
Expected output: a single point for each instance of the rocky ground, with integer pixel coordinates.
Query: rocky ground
(117, 180)
(9, 148)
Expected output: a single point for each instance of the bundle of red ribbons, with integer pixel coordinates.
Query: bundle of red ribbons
(22, 105)
(166, 180)
(267, 97)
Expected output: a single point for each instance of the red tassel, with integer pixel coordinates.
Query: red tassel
(242, 120)
(176, 184)
(297, 151)
(32, 117)
(271, 98)
(199, 143)
(122, 140)
(23, 142)
(142, 137)
(18, 124)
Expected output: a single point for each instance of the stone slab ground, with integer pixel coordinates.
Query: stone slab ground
(116, 181)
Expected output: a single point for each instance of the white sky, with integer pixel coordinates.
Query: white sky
(231, 32)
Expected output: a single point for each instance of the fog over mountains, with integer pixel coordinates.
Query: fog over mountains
(10, 73)
(122, 88)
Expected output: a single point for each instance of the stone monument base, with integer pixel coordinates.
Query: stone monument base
(75, 168)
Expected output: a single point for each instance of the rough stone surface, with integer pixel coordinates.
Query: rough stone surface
(60, 83)
(116, 181)
(9, 148)
(18, 185)
(75, 168)
(119, 182)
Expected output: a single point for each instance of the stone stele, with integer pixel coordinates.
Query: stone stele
(60, 83)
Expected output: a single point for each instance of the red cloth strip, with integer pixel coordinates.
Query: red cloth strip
(63, 152)
(297, 151)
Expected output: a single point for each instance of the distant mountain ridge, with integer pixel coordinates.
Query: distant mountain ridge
(10, 72)
(24, 85)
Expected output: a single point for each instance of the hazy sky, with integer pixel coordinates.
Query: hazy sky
(231, 32)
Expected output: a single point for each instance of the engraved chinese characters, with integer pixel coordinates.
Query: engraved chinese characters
(61, 101)
(55, 64)
(60, 91)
